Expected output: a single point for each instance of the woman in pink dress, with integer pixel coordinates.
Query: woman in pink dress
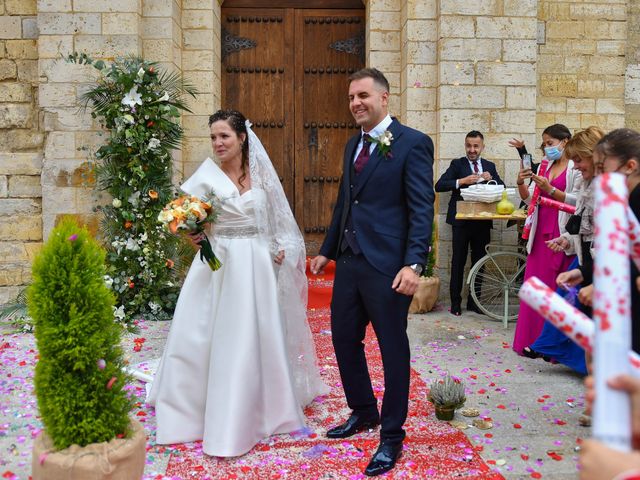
(558, 183)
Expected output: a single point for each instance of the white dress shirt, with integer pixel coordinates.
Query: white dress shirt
(374, 132)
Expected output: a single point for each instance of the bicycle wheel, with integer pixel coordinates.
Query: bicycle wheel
(495, 281)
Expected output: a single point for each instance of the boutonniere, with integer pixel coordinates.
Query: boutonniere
(383, 142)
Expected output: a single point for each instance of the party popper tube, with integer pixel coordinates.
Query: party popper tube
(611, 310)
(634, 236)
(564, 316)
(528, 223)
(567, 318)
(563, 207)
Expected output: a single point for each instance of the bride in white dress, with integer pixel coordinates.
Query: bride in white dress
(239, 364)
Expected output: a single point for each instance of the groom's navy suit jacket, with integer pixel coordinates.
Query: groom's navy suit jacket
(391, 202)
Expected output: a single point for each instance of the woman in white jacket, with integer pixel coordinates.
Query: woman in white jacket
(552, 343)
(560, 182)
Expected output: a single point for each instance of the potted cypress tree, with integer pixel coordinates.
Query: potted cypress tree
(429, 287)
(79, 381)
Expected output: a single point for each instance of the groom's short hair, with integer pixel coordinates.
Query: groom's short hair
(377, 75)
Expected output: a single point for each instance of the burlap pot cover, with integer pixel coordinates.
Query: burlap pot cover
(119, 459)
(426, 296)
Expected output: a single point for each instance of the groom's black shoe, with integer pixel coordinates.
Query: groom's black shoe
(384, 459)
(355, 423)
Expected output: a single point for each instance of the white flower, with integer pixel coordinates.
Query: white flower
(116, 202)
(134, 199)
(144, 237)
(108, 281)
(146, 250)
(386, 138)
(132, 245)
(141, 73)
(132, 98)
(119, 312)
(154, 143)
(164, 97)
(165, 216)
(128, 118)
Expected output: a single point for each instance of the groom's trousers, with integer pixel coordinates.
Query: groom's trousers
(362, 294)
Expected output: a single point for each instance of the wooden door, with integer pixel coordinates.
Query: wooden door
(286, 69)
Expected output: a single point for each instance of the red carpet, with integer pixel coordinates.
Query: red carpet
(433, 449)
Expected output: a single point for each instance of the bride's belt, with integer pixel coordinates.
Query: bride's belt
(236, 232)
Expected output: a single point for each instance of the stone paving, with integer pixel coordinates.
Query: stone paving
(533, 405)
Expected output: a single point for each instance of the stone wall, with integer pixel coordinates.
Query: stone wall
(632, 77)
(581, 63)
(506, 67)
(478, 73)
(21, 142)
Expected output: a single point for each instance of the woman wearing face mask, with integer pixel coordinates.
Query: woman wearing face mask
(558, 183)
(552, 343)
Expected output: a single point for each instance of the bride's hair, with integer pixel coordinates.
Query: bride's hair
(237, 122)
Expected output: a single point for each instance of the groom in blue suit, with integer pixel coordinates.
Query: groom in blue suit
(379, 237)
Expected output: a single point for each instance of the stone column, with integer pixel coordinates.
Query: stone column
(419, 71)
(161, 32)
(201, 62)
(20, 146)
(103, 30)
(383, 45)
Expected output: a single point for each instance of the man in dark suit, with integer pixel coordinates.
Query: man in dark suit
(462, 172)
(379, 236)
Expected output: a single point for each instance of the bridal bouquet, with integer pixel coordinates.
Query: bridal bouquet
(190, 214)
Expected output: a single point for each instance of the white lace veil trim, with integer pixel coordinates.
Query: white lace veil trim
(274, 217)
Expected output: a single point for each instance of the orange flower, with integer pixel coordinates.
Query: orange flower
(178, 202)
(131, 284)
(150, 123)
(128, 224)
(169, 263)
(153, 194)
(151, 70)
(173, 226)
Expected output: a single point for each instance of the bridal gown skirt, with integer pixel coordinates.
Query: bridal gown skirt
(224, 376)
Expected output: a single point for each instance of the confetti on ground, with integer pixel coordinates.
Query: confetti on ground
(546, 441)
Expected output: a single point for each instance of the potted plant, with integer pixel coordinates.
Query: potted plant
(429, 287)
(447, 395)
(79, 381)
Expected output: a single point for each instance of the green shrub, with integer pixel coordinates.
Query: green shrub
(431, 258)
(78, 341)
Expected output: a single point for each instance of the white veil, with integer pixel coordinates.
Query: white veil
(276, 222)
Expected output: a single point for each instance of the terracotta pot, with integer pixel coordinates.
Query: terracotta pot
(444, 413)
(119, 459)
(426, 295)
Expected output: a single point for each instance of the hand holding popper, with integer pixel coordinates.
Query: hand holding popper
(563, 207)
(567, 318)
(528, 224)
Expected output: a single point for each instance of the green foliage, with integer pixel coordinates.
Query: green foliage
(78, 341)
(431, 259)
(140, 106)
(16, 313)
